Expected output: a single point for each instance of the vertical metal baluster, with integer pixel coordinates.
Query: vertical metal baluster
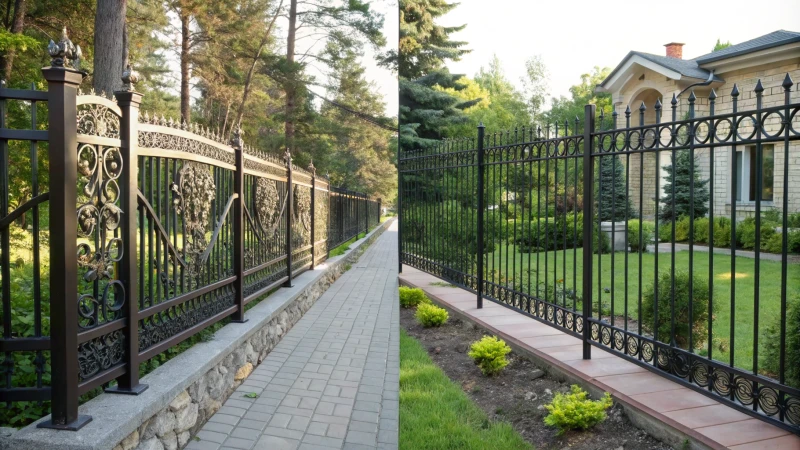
(712, 97)
(759, 90)
(691, 138)
(481, 192)
(787, 88)
(672, 254)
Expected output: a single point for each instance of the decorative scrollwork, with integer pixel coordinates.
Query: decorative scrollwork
(193, 192)
(267, 207)
(101, 353)
(180, 318)
(98, 218)
(302, 209)
(98, 120)
(173, 142)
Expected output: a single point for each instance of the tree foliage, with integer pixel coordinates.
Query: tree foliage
(686, 198)
(720, 45)
(613, 203)
(567, 109)
(424, 45)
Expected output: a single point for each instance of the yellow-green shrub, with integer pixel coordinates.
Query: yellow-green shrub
(429, 315)
(574, 411)
(490, 354)
(411, 297)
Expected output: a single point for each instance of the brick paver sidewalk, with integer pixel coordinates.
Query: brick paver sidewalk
(333, 380)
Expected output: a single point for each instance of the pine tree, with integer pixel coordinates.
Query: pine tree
(424, 46)
(681, 204)
(613, 203)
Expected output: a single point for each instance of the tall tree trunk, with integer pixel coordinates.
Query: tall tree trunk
(7, 61)
(249, 78)
(290, 86)
(109, 45)
(185, 47)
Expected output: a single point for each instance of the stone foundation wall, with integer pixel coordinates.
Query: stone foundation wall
(173, 426)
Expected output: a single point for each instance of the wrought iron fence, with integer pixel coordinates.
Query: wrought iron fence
(156, 230)
(556, 224)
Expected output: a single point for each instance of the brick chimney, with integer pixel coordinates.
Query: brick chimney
(674, 50)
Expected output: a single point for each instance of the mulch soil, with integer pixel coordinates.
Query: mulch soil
(518, 394)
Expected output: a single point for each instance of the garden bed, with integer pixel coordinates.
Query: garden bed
(518, 394)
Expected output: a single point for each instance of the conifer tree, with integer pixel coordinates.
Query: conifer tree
(681, 204)
(613, 203)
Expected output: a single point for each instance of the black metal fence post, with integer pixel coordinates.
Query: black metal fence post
(399, 214)
(313, 171)
(62, 95)
(481, 131)
(289, 212)
(588, 201)
(238, 226)
(129, 101)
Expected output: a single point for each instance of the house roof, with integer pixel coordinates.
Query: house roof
(691, 67)
(674, 66)
(774, 39)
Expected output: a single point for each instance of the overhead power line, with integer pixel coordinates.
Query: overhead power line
(365, 117)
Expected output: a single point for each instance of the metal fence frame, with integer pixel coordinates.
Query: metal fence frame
(102, 332)
(432, 182)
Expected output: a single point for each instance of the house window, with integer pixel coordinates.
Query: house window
(747, 174)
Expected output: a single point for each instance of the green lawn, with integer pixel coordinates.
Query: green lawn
(515, 265)
(436, 414)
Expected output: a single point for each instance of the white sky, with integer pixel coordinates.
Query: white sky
(575, 36)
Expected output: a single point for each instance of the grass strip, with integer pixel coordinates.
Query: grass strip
(436, 414)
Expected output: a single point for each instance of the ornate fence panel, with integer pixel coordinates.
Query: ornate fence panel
(157, 230)
(555, 224)
(266, 205)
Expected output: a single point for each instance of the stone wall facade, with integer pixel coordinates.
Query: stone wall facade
(652, 85)
(173, 427)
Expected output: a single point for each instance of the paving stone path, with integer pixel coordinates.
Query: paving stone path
(333, 380)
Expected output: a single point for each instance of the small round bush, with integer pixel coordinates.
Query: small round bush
(647, 230)
(722, 232)
(411, 297)
(574, 411)
(490, 354)
(699, 307)
(429, 315)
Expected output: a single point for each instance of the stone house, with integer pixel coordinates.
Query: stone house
(644, 77)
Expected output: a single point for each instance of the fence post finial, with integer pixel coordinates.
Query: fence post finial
(129, 78)
(787, 82)
(64, 51)
(237, 137)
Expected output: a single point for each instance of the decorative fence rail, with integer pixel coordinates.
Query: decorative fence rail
(543, 223)
(155, 230)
